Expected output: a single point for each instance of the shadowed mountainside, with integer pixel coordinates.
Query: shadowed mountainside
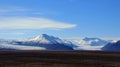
(112, 47)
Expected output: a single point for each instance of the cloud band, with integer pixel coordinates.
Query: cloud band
(32, 23)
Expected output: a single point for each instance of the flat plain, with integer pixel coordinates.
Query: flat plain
(36, 58)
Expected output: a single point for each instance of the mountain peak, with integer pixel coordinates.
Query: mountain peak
(46, 39)
(44, 35)
(41, 37)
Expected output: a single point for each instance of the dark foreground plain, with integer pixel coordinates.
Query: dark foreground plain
(59, 59)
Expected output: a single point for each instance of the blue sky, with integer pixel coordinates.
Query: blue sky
(62, 18)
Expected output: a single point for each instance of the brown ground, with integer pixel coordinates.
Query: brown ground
(59, 59)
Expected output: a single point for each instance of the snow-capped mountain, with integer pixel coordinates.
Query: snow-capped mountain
(46, 39)
(112, 46)
(47, 42)
(89, 43)
(41, 42)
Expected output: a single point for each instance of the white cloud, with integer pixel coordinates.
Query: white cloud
(111, 38)
(20, 47)
(17, 33)
(32, 23)
(12, 33)
(12, 11)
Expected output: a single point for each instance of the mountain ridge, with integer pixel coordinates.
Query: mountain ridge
(48, 42)
(112, 46)
(42, 41)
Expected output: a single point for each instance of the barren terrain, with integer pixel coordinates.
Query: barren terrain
(59, 59)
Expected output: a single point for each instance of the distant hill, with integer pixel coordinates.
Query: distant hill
(112, 46)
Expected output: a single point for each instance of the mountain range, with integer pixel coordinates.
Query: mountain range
(89, 43)
(47, 42)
